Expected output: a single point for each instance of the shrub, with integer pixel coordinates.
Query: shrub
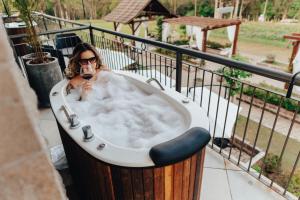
(216, 45)
(159, 23)
(272, 98)
(257, 168)
(272, 164)
(229, 74)
(294, 186)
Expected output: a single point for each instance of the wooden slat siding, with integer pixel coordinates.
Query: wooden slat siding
(159, 184)
(178, 173)
(117, 182)
(109, 182)
(95, 179)
(126, 184)
(197, 180)
(169, 182)
(202, 158)
(186, 179)
(137, 184)
(148, 180)
(71, 154)
(104, 184)
(192, 176)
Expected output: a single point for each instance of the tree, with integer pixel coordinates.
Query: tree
(282, 7)
(236, 4)
(216, 8)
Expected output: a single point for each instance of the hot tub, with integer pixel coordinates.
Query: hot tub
(102, 169)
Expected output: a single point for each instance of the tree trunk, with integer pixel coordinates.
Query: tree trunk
(284, 15)
(195, 7)
(241, 9)
(216, 7)
(236, 8)
(55, 13)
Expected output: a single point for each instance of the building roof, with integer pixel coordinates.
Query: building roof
(206, 23)
(128, 10)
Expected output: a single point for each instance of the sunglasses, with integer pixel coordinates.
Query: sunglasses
(86, 61)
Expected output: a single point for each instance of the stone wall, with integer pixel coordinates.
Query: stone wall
(25, 168)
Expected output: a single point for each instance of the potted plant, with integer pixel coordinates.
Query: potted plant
(43, 71)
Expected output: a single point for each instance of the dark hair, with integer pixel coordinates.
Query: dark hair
(74, 67)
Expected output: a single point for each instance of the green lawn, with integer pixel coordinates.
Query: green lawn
(267, 33)
(292, 148)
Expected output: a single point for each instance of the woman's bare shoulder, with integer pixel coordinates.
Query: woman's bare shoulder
(75, 82)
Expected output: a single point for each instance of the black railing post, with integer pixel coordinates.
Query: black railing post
(178, 71)
(59, 22)
(291, 85)
(45, 25)
(92, 35)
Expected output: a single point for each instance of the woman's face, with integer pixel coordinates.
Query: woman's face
(86, 58)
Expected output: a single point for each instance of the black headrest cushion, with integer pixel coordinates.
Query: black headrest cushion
(180, 148)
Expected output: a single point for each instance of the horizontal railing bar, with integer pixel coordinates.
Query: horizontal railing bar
(52, 32)
(263, 71)
(57, 18)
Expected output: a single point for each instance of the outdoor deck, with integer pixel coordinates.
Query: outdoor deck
(260, 127)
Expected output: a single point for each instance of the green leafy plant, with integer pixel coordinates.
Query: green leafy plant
(232, 77)
(159, 24)
(26, 7)
(7, 8)
(294, 186)
(257, 168)
(272, 164)
(216, 45)
(272, 98)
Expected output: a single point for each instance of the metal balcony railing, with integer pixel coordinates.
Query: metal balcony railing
(254, 126)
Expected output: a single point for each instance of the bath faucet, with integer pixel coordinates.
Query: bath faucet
(72, 118)
(156, 81)
(87, 133)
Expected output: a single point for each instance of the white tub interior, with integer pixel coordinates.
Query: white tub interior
(128, 113)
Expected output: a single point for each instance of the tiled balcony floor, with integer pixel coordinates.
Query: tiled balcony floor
(221, 180)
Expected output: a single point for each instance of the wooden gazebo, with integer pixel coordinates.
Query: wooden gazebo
(134, 12)
(206, 24)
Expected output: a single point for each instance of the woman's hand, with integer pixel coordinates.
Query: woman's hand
(86, 86)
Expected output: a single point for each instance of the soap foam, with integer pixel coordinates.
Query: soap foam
(123, 114)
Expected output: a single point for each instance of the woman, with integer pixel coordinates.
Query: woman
(84, 56)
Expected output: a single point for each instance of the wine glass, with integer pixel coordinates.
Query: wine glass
(87, 72)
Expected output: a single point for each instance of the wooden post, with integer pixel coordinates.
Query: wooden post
(115, 26)
(296, 45)
(133, 32)
(236, 35)
(204, 40)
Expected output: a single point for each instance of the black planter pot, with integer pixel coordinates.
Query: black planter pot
(42, 77)
(32, 56)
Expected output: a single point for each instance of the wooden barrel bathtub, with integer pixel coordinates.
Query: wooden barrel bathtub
(103, 170)
(96, 180)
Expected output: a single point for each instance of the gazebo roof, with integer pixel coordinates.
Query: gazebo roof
(128, 10)
(206, 23)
